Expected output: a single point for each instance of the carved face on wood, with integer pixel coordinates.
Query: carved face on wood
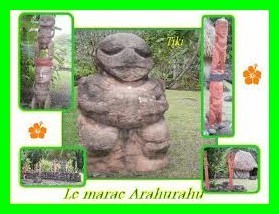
(47, 21)
(124, 56)
(43, 74)
(221, 27)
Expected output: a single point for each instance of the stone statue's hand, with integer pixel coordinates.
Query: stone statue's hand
(162, 105)
(95, 136)
(89, 97)
(157, 139)
(152, 106)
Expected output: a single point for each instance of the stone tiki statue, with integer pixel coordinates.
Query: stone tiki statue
(41, 89)
(45, 34)
(121, 120)
(217, 75)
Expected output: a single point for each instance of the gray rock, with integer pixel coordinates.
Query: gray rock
(228, 98)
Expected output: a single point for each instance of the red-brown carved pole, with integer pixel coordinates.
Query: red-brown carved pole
(231, 169)
(206, 176)
(217, 74)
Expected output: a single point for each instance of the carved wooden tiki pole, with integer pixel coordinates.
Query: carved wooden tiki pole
(43, 63)
(216, 75)
(206, 174)
(121, 120)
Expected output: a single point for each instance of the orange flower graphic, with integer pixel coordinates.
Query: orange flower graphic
(252, 75)
(37, 130)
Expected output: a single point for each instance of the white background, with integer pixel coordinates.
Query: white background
(251, 106)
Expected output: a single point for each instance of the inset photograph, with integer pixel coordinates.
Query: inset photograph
(45, 54)
(52, 167)
(218, 76)
(231, 169)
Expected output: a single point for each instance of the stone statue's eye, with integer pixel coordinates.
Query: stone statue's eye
(112, 51)
(143, 53)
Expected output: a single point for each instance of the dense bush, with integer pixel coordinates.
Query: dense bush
(217, 160)
(178, 66)
(46, 166)
(65, 160)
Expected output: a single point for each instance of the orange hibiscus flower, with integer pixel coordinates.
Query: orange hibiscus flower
(37, 131)
(252, 75)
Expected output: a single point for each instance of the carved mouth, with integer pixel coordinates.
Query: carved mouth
(40, 80)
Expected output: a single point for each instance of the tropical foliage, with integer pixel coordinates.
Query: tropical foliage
(178, 65)
(71, 160)
(217, 160)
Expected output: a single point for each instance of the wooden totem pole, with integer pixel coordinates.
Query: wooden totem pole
(206, 174)
(217, 75)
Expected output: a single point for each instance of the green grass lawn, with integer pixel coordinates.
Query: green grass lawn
(184, 121)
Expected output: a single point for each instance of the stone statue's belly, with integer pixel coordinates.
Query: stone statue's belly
(130, 107)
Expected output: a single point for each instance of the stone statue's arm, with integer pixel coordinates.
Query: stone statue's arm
(95, 107)
(157, 105)
(89, 98)
(161, 96)
(33, 102)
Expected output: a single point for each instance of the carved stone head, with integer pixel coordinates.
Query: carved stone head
(43, 70)
(124, 56)
(43, 74)
(46, 21)
(221, 27)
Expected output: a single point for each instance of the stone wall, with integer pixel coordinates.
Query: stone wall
(61, 176)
